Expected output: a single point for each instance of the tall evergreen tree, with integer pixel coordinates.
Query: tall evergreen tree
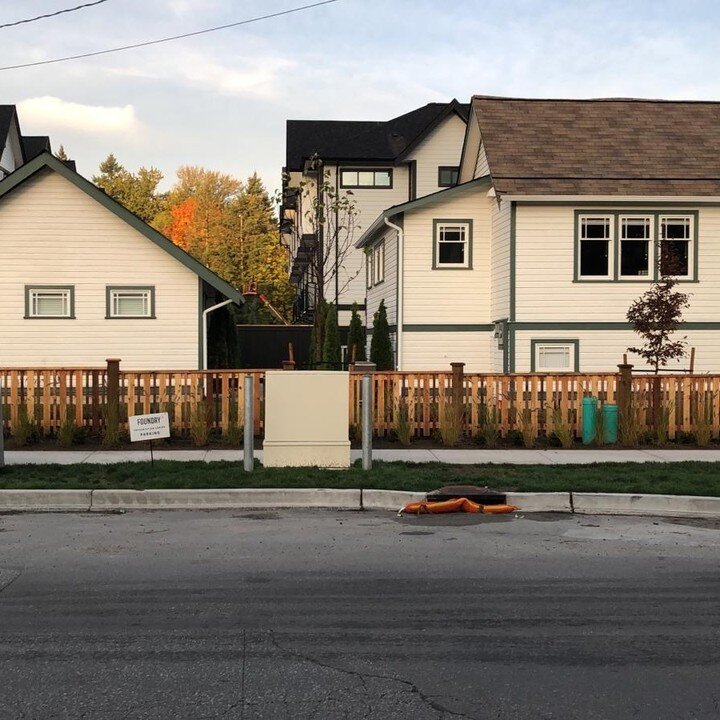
(61, 154)
(332, 358)
(223, 340)
(356, 337)
(381, 352)
(136, 191)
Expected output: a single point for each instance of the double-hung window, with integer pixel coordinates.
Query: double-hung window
(676, 248)
(595, 247)
(130, 302)
(50, 301)
(379, 261)
(453, 244)
(636, 246)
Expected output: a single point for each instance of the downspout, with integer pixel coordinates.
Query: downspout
(337, 230)
(205, 329)
(399, 309)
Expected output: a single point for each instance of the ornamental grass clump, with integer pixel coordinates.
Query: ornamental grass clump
(489, 424)
(452, 420)
(562, 429)
(403, 426)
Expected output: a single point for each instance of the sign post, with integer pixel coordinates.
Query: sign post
(2, 432)
(149, 427)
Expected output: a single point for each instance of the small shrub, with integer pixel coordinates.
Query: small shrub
(686, 438)
(234, 433)
(489, 424)
(562, 428)
(515, 438)
(200, 423)
(24, 430)
(66, 433)
(451, 424)
(662, 424)
(524, 422)
(403, 426)
(553, 440)
(599, 438)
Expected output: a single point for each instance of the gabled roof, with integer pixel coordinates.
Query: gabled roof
(387, 140)
(441, 195)
(8, 118)
(613, 146)
(50, 162)
(33, 145)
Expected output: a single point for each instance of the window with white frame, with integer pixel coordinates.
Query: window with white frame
(676, 232)
(550, 356)
(379, 262)
(130, 302)
(452, 244)
(595, 246)
(370, 178)
(636, 251)
(48, 301)
(369, 267)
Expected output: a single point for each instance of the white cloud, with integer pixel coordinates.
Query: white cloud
(47, 113)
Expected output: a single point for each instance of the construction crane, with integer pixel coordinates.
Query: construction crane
(251, 290)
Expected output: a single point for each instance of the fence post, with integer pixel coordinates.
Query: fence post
(2, 429)
(112, 418)
(624, 393)
(458, 389)
(249, 429)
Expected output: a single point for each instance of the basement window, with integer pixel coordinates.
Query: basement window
(594, 251)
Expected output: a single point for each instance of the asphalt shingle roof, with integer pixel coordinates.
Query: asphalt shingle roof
(33, 145)
(601, 147)
(361, 140)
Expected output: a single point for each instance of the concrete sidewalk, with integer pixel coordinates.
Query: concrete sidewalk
(457, 457)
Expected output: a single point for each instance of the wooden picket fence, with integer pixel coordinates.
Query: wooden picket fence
(48, 397)
(536, 403)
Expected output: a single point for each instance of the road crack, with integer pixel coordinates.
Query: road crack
(412, 687)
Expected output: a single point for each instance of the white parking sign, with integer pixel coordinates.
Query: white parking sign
(149, 427)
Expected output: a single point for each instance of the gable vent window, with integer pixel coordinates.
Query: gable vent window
(635, 247)
(371, 179)
(448, 176)
(675, 245)
(50, 302)
(595, 238)
(130, 302)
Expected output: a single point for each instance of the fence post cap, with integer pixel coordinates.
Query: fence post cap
(457, 364)
(112, 360)
(365, 366)
(625, 366)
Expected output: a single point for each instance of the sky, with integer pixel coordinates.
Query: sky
(221, 100)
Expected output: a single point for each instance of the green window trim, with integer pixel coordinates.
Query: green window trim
(437, 223)
(71, 291)
(109, 289)
(573, 342)
(614, 256)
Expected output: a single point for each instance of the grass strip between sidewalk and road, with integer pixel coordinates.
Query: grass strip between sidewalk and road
(681, 478)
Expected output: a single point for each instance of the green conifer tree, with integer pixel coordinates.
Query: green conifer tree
(331, 359)
(381, 352)
(356, 336)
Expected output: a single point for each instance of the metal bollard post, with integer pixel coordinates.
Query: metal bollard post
(367, 422)
(249, 429)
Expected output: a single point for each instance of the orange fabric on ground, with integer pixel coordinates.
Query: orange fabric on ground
(455, 505)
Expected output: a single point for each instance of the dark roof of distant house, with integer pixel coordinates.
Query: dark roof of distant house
(33, 145)
(615, 146)
(365, 140)
(8, 116)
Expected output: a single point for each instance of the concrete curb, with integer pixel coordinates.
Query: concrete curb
(657, 505)
(219, 499)
(393, 500)
(45, 500)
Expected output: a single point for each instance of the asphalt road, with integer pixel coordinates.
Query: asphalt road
(348, 615)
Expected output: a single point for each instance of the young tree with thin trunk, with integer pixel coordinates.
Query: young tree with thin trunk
(332, 358)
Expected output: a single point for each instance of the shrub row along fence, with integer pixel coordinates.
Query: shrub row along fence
(423, 403)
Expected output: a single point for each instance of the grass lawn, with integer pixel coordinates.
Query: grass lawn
(682, 478)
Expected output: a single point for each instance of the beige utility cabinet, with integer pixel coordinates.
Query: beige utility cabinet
(306, 419)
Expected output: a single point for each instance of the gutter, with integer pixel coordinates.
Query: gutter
(399, 308)
(617, 199)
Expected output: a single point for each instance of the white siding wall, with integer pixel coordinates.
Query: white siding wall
(602, 350)
(386, 290)
(448, 296)
(436, 350)
(470, 151)
(442, 147)
(500, 261)
(544, 272)
(481, 163)
(52, 233)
